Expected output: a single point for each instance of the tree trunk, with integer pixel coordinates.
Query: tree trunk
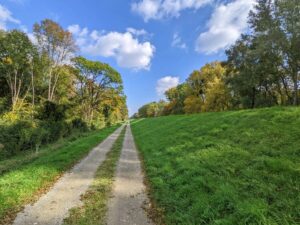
(253, 98)
(295, 96)
(286, 89)
(33, 90)
(56, 77)
(49, 85)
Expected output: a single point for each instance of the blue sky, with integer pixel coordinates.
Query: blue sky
(154, 44)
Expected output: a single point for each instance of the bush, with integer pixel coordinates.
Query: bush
(22, 135)
(55, 130)
(38, 136)
(20, 132)
(79, 124)
(51, 111)
(16, 137)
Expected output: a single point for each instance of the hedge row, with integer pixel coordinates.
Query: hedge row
(25, 135)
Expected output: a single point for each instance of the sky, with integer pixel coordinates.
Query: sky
(154, 44)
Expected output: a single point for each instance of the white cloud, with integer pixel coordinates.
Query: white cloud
(136, 32)
(165, 84)
(158, 9)
(74, 29)
(177, 42)
(6, 17)
(126, 48)
(77, 31)
(226, 24)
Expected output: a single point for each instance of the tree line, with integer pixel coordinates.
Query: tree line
(262, 68)
(47, 91)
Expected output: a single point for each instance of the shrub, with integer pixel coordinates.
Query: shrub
(22, 135)
(16, 137)
(79, 124)
(51, 111)
(38, 137)
(21, 132)
(55, 130)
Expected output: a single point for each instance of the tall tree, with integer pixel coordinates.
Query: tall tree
(94, 80)
(207, 90)
(56, 47)
(152, 109)
(16, 56)
(287, 13)
(243, 78)
(176, 97)
(267, 38)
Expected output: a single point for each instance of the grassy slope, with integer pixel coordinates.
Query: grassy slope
(238, 167)
(93, 210)
(22, 184)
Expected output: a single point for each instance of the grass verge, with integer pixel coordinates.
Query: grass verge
(239, 167)
(29, 156)
(24, 184)
(94, 208)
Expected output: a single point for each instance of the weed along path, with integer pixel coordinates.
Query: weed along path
(129, 199)
(53, 207)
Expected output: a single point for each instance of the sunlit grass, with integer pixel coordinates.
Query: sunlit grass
(239, 167)
(23, 184)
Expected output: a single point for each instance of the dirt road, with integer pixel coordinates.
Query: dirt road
(53, 207)
(126, 207)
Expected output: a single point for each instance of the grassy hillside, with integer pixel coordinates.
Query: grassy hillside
(22, 183)
(239, 167)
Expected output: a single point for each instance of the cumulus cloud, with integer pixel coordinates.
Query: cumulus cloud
(225, 26)
(136, 32)
(158, 9)
(126, 47)
(165, 84)
(6, 17)
(177, 42)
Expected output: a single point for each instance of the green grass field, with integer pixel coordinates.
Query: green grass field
(23, 183)
(240, 167)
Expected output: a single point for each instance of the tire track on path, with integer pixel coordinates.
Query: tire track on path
(127, 206)
(54, 206)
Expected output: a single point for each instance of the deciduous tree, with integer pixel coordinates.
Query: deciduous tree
(16, 55)
(56, 47)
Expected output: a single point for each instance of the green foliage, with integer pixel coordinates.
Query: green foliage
(78, 123)
(176, 97)
(16, 137)
(44, 98)
(100, 92)
(16, 56)
(21, 184)
(262, 68)
(52, 112)
(206, 90)
(239, 167)
(101, 73)
(55, 46)
(264, 64)
(152, 109)
(27, 134)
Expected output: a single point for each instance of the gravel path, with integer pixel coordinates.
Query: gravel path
(126, 207)
(53, 207)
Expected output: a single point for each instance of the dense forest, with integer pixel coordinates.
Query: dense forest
(49, 92)
(262, 68)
